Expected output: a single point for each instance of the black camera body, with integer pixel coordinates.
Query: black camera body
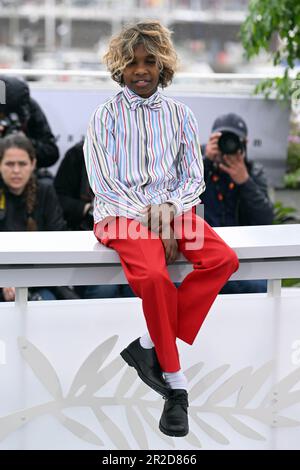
(230, 143)
(11, 124)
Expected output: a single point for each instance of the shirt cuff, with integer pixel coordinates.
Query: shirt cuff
(178, 206)
(249, 183)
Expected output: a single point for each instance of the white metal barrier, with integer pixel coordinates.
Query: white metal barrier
(65, 386)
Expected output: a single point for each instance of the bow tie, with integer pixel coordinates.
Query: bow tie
(153, 102)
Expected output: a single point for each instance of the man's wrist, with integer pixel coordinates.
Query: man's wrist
(172, 206)
(243, 180)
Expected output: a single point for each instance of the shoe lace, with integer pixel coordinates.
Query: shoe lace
(180, 400)
(177, 400)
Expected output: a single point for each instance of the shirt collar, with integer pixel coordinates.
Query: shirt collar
(134, 101)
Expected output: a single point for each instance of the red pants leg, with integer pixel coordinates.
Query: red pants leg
(144, 265)
(169, 312)
(213, 264)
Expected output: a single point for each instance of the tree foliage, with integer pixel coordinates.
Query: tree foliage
(265, 19)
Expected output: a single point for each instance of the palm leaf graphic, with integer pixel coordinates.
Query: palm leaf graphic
(209, 430)
(192, 439)
(242, 428)
(92, 364)
(254, 384)
(206, 381)
(103, 376)
(126, 382)
(287, 400)
(78, 429)
(41, 367)
(192, 371)
(141, 391)
(152, 423)
(284, 421)
(92, 375)
(230, 386)
(137, 428)
(283, 387)
(268, 416)
(111, 429)
(288, 382)
(11, 423)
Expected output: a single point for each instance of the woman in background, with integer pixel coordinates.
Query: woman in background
(26, 204)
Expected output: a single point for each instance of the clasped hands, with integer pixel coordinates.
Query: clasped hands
(158, 218)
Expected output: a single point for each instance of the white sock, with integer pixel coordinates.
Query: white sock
(146, 342)
(176, 379)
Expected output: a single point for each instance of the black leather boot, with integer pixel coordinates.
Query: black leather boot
(174, 419)
(147, 366)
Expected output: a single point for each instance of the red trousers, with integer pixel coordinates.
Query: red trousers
(171, 312)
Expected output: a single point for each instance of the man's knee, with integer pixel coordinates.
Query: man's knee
(155, 276)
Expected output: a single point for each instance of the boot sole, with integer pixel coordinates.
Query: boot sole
(132, 363)
(172, 433)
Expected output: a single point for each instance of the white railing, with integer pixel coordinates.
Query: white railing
(76, 258)
(245, 77)
(103, 74)
(188, 82)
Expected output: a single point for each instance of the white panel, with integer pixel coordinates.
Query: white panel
(241, 331)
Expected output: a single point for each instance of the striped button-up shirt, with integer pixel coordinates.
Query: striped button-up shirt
(140, 152)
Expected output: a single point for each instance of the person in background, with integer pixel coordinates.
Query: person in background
(22, 113)
(236, 188)
(26, 204)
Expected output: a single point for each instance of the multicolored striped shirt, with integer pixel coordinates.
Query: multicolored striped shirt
(140, 152)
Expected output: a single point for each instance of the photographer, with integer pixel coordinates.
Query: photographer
(23, 113)
(236, 188)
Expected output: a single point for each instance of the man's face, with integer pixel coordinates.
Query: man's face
(16, 169)
(142, 74)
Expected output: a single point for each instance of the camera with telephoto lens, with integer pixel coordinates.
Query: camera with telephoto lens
(230, 143)
(10, 124)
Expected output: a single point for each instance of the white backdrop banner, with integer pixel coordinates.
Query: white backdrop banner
(69, 111)
(65, 386)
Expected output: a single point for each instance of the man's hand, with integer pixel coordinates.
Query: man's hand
(9, 294)
(235, 167)
(212, 150)
(158, 216)
(170, 246)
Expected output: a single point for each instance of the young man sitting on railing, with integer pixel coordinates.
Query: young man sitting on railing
(144, 166)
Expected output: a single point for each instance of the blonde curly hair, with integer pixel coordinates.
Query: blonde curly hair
(157, 41)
